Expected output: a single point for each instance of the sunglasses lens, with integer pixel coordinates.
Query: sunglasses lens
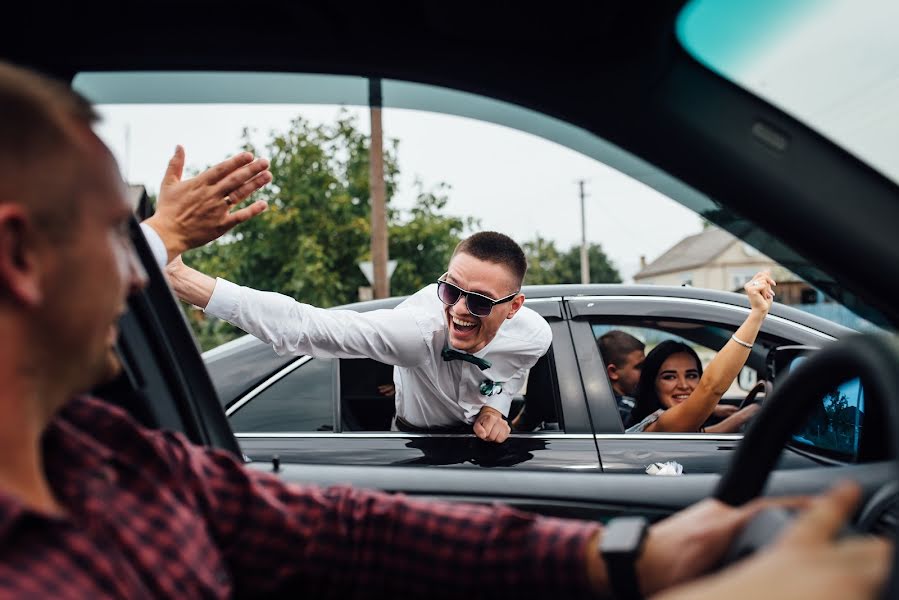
(448, 293)
(478, 305)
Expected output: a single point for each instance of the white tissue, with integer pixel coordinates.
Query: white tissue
(665, 468)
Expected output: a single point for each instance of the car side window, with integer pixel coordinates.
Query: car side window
(618, 339)
(367, 397)
(714, 337)
(300, 401)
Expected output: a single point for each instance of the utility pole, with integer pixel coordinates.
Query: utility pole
(585, 259)
(379, 252)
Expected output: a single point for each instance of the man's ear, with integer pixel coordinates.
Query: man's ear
(19, 273)
(612, 370)
(516, 303)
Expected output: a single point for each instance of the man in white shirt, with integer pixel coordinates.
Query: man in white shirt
(462, 347)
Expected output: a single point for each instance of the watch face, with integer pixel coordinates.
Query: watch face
(623, 535)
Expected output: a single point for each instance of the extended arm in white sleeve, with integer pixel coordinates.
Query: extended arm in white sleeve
(503, 401)
(389, 336)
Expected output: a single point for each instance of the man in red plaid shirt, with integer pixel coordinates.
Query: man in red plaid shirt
(93, 505)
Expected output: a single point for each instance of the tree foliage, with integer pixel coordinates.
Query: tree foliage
(422, 240)
(318, 227)
(547, 265)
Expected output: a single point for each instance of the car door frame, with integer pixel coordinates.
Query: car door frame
(571, 449)
(697, 452)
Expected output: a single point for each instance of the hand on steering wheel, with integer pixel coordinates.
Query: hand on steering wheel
(872, 358)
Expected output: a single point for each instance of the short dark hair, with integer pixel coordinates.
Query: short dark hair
(495, 247)
(647, 397)
(39, 118)
(615, 345)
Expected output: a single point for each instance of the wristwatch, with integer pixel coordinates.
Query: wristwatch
(620, 546)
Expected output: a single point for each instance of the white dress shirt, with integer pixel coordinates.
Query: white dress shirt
(430, 392)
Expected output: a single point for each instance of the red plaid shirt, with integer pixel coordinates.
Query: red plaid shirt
(150, 515)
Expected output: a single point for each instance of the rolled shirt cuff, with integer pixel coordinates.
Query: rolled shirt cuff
(225, 300)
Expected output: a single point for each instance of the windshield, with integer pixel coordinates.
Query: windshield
(454, 163)
(834, 65)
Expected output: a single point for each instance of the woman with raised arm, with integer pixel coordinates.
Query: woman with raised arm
(674, 394)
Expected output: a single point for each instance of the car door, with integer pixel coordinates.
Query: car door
(328, 411)
(698, 319)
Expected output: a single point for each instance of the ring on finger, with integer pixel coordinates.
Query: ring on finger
(228, 200)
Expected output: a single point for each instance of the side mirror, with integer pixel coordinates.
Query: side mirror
(782, 358)
(834, 426)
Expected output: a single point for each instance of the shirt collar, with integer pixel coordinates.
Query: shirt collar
(67, 449)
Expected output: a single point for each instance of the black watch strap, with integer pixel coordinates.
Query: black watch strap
(620, 546)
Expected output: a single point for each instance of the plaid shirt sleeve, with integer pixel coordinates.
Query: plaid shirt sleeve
(349, 543)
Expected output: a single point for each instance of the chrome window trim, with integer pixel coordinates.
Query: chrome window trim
(537, 436)
(541, 300)
(266, 384)
(707, 303)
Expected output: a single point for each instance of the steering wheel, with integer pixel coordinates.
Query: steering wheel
(762, 385)
(872, 358)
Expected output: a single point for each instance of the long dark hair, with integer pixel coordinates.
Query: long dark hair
(647, 397)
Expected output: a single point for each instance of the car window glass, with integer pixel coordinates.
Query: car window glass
(439, 185)
(704, 339)
(454, 163)
(651, 337)
(834, 427)
(300, 401)
(367, 397)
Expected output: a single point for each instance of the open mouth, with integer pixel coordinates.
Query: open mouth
(462, 327)
(680, 397)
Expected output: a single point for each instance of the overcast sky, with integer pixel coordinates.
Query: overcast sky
(513, 182)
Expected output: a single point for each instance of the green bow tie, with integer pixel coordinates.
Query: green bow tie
(450, 354)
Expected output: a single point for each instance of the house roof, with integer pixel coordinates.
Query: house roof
(690, 252)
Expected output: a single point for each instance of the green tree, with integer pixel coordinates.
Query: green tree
(422, 240)
(309, 242)
(601, 268)
(543, 259)
(547, 265)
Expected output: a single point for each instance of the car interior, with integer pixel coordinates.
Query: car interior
(616, 72)
(364, 408)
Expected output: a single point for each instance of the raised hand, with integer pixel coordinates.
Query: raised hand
(192, 212)
(760, 290)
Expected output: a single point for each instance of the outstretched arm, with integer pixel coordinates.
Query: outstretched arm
(189, 284)
(724, 368)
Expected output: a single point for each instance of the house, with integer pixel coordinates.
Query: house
(717, 260)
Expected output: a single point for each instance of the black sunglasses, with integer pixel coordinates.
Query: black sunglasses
(478, 304)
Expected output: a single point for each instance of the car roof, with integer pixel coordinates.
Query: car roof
(571, 291)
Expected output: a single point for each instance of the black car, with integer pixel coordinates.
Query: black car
(329, 411)
(617, 80)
